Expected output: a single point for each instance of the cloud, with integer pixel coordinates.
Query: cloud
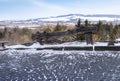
(48, 6)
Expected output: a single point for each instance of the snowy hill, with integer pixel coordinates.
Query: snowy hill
(66, 19)
(72, 18)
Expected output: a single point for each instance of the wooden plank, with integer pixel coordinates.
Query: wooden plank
(107, 48)
(43, 37)
(86, 48)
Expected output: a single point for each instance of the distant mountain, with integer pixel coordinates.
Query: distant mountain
(72, 18)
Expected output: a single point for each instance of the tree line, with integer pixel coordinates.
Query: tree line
(105, 32)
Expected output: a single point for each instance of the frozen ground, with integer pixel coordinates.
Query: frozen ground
(67, 44)
(49, 65)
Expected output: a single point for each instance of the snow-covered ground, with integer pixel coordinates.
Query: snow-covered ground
(67, 44)
(49, 65)
(52, 65)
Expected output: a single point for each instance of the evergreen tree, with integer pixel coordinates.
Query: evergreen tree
(58, 27)
(101, 31)
(114, 33)
(78, 23)
(1, 35)
(107, 31)
(5, 32)
(87, 23)
(79, 36)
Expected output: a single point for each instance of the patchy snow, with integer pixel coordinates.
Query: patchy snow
(67, 44)
(99, 18)
(16, 46)
(118, 39)
(117, 44)
(56, 19)
(100, 43)
(35, 45)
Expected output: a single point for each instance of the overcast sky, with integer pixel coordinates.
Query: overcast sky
(27, 9)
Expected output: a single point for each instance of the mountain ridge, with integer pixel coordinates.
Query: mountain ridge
(72, 18)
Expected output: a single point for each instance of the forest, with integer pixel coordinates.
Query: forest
(105, 32)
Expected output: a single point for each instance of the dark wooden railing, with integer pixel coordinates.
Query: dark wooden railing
(88, 31)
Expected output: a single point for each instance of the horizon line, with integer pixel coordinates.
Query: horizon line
(59, 15)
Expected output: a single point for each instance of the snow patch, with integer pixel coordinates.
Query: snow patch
(16, 46)
(67, 44)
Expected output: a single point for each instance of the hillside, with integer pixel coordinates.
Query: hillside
(70, 18)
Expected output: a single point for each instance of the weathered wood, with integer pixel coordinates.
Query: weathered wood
(89, 38)
(45, 36)
(86, 48)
